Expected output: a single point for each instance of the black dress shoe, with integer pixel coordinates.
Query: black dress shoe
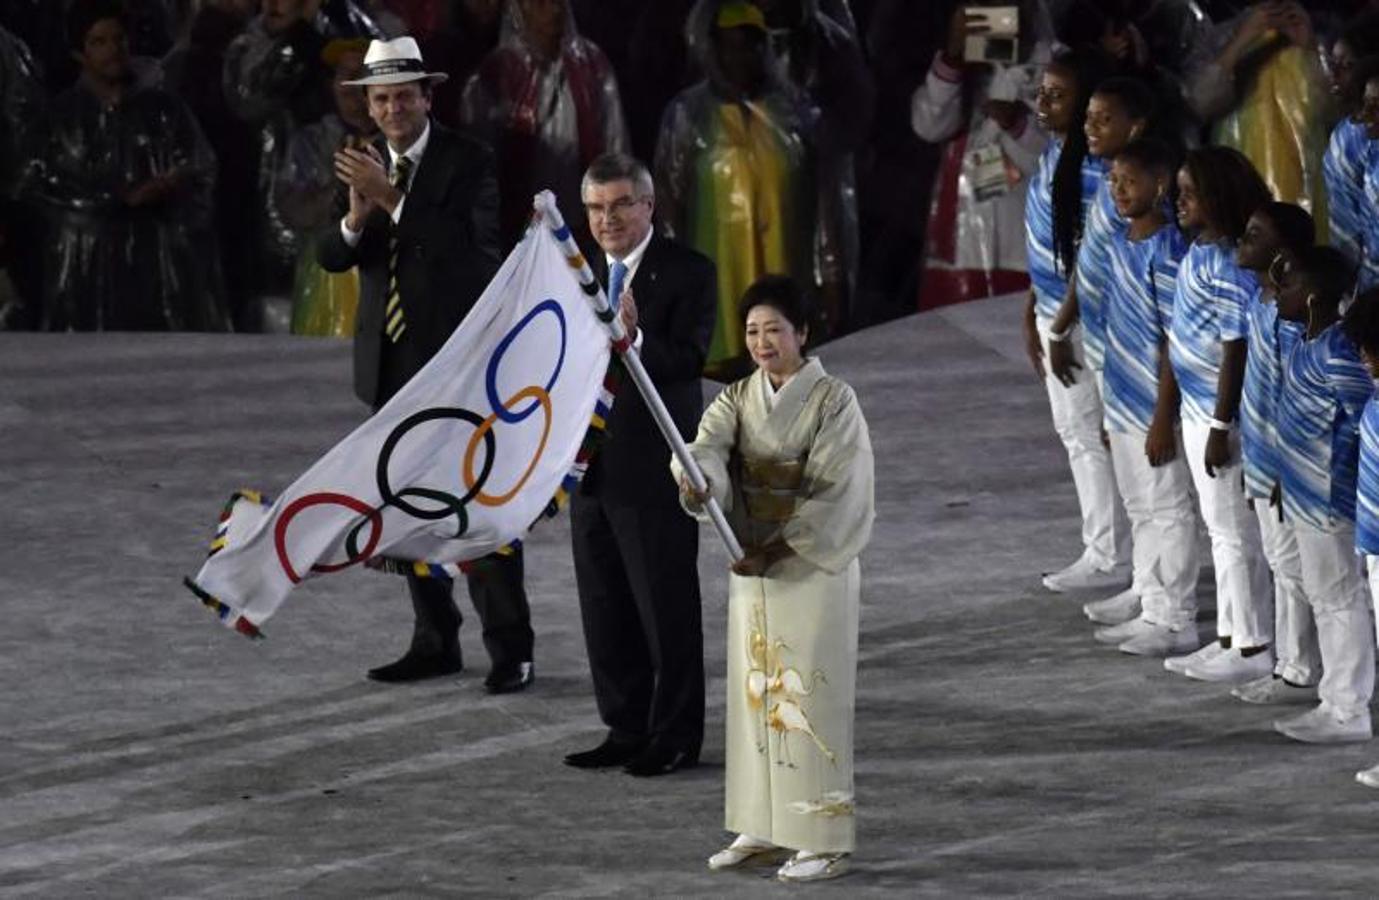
(417, 666)
(510, 679)
(606, 755)
(658, 760)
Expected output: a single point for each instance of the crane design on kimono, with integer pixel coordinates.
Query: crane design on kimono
(777, 689)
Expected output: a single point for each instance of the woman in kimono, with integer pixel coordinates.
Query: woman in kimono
(788, 457)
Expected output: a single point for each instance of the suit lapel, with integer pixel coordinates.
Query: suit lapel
(432, 173)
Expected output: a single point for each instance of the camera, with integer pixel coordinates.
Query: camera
(1000, 43)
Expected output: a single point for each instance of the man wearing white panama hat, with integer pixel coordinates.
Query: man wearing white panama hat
(418, 214)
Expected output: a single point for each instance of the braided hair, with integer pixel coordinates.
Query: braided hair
(1086, 68)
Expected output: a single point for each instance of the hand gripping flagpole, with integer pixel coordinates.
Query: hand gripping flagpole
(546, 207)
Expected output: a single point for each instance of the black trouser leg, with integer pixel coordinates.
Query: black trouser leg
(437, 626)
(619, 660)
(660, 550)
(499, 596)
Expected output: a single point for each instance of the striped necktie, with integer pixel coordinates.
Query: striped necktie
(393, 321)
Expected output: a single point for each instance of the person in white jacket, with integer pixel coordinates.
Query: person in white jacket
(983, 113)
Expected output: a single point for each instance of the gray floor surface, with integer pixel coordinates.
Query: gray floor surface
(145, 751)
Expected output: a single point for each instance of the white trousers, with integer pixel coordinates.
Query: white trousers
(1298, 659)
(1244, 602)
(1372, 566)
(1163, 529)
(1077, 418)
(1336, 592)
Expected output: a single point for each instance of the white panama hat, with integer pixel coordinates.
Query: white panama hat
(395, 62)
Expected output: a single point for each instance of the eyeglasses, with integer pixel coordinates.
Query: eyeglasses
(620, 207)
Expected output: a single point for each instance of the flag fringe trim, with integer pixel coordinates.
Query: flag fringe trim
(223, 611)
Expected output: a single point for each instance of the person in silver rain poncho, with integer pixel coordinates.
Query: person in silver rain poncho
(547, 101)
(125, 178)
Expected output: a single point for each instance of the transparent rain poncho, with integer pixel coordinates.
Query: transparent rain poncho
(110, 265)
(738, 179)
(1276, 110)
(546, 119)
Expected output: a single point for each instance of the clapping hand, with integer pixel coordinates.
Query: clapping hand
(362, 170)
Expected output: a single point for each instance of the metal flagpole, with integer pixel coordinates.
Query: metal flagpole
(546, 206)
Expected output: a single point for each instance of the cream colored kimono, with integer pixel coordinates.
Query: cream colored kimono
(801, 471)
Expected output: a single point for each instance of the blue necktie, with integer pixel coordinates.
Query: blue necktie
(616, 273)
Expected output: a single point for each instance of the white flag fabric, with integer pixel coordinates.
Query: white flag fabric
(460, 463)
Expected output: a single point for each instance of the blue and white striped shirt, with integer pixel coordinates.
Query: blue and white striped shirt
(1094, 267)
(1139, 307)
(1271, 342)
(1325, 388)
(1343, 168)
(1049, 281)
(1367, 488)
(1369, 211)
(1208, 309)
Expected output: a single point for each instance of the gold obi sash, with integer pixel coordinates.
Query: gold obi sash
(771, 488)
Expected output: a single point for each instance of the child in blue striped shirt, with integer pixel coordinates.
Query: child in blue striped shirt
(1142, 414)
(1275, 235)
(1343, 164)
(1055, 209)
(1362, 326)
(1218, 189)
(1325, 388)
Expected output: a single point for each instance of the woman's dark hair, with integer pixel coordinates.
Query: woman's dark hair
(1133, 95)
(1329, 271)
(1361, 322)
(1296, 229)
(783, 294)
(1086, 67)
(83, 15)
(1228, 187)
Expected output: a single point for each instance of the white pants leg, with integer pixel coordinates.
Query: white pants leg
(1295, 633)
(1158, 501)
(1077, 418)
(1244, 602)
(1372, 567)
(1335, 590)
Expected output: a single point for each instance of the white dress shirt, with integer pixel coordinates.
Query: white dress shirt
(413, 153)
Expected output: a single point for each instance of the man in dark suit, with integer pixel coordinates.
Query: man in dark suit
(635, 551)
(418, 214)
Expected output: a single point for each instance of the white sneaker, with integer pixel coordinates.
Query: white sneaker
(1179, 664)
(1368, 777)
(1271, 690)
(1086, 575)
(1162, 640)
(1114, 610)
(1119, 634)
(1232, 667)
(1321, 725)
(807, 866)
(744, 848)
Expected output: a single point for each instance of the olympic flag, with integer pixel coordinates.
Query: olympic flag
(461, 462)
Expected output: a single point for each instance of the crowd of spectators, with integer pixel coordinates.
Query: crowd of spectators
(165, 163)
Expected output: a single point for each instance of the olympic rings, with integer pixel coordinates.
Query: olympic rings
(491, 376)
(541, 398)
(372, 517)
(450, 504)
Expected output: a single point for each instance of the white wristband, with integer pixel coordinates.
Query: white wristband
(1218, 425)
(1059, 337)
